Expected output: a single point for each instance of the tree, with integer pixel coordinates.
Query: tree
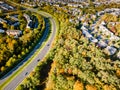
(23, 25)
(9, 63)
(20, 16)
(3, 68)
(21, 87)
(12, 27)
(12, 44)
(5, 25)
(19, 56)
(118, 73)
(109, 87)
(91, 87)
(23, 53)
(78, 86)
(17, 1)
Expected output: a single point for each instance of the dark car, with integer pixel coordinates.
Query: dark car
(26, 73)
(38, 60)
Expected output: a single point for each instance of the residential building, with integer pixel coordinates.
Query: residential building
(102, 44)
(2, 20)
(14, 32)
(92, 39)
(14, 17)
(28, 20)
(16, 24)
(83, 28)
(110, 50)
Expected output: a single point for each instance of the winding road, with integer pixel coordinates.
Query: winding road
(19, 78)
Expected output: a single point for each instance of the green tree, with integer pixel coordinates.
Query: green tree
(12, 27)
(21, 87)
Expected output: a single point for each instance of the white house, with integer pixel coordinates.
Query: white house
(14, 18)
(28, 20)
(83, 27)
(85, 23)
(110, 50)
(86, 34)
(104, 30)
(75, 5)
(14, 32)
(100, 13)
(2, 20)
(103, 23)
(115, 38)
(11, 7)
(92, 39)
(27, 17)
(112, 23)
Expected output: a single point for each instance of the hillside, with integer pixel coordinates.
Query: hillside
(74, 62)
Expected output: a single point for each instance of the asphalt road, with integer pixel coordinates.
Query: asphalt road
(17, 80)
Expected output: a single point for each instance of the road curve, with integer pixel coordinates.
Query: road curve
(17, 80)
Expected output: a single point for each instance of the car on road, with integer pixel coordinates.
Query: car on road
(38, 60)
(26, 73)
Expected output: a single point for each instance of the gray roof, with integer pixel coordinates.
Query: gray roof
(102, 44)
(111, 50)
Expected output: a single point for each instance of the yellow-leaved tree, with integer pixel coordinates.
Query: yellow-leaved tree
(78, 86)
